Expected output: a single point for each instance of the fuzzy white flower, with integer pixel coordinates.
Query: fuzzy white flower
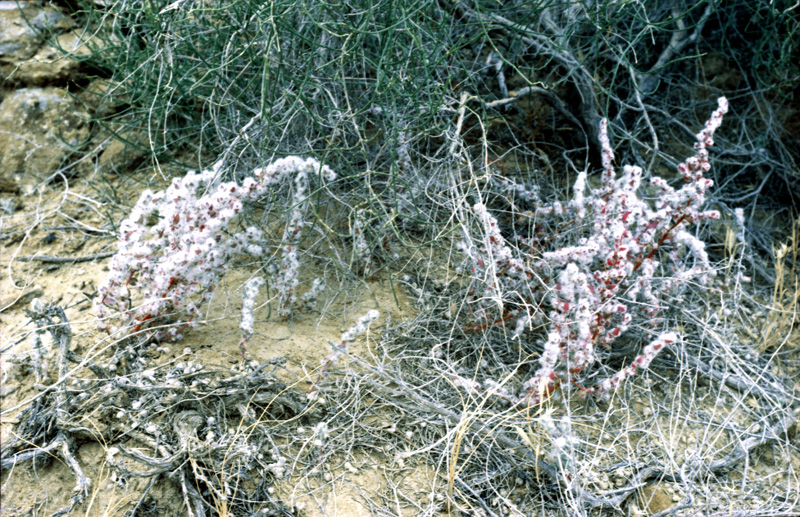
(251, 288)
(173, 247)
(608, 275)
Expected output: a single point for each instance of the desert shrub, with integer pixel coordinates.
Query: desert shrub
(457, 126)
(174, 248)
(624, 258)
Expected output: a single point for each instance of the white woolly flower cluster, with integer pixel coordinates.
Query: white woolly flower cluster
(310, 297)
(287, 281)
(251, 288)
(341, 348)
(361, 326)
(591, 286)
(173, 247)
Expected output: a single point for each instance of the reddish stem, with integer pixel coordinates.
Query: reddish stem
(660, 242)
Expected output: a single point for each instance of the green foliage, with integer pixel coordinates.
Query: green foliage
(196, 72)
(373, 88)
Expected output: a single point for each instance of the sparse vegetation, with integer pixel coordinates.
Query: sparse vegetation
(469, 153)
